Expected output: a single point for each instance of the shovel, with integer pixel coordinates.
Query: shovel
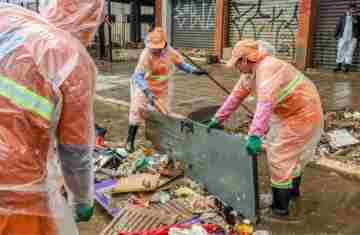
(160, 107)
(250, 113)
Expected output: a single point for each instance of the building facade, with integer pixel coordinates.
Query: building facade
(302, 31)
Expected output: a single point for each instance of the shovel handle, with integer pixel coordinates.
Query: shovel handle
(160, 107)
(250, 113)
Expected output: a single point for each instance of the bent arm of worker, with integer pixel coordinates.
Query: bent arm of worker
(268, 84)
(139, 75)
(76, 134)
(233, 101)
(260, 122)
(179, 61)
(187, 68)
(140, 81)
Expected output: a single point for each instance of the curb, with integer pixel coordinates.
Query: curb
(349, 171)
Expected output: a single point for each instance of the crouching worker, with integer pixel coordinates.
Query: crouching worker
(47, 81)
(151, 83)
(288, 109)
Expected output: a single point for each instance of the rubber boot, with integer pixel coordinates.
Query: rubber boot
(346, 68)
(338, 68)
(281, 201)
(131, 138)
(295, 191)
(280, 208)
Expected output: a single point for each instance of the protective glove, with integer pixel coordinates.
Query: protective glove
(214, 124)
(84, 212)
(149, 95)
(253, 145)
(200, 72)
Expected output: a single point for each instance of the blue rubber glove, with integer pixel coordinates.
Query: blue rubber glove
(253, 145)
(84, 212)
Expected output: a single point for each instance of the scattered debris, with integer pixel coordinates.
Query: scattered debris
(265, 200)
(262, 232)
(139, 183)
(194, 230)
(132, 219)
(164, 197)
(244, 228)
(144, 191)
(175, 207)
(185, 192)
(341, 138)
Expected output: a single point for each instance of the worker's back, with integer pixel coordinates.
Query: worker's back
(46, 77)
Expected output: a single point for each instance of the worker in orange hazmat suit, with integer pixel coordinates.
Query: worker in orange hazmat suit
(151, 83)
(288, 109)
(47, 81)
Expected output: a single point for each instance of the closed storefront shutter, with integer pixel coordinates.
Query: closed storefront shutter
(193, 23)
(273, 21)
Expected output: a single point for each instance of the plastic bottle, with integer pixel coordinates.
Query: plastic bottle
(245, 228)
(147, 148)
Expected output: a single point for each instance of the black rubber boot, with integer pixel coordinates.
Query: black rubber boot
(346, 68)
(295, 191)
(281, 201)
(280, 208)
(338, 68)
(131, 138)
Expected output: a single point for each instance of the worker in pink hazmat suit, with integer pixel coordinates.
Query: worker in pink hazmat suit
(288, 112)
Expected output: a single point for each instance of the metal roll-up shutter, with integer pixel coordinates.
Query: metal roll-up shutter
(324, 48)
(273, 21)
(193, 23)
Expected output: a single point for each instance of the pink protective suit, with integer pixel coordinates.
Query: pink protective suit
(288, 103)
(47, 81)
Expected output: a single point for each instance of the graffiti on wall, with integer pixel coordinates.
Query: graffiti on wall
(194, 14)
(260, 20)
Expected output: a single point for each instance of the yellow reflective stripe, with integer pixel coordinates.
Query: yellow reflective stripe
(296, 172)
(290, 87)
(283, 185)
(25, 98)
(159, 78)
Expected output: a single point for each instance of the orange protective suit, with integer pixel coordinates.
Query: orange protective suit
(156, 70)
(47, 82)
(287, 102)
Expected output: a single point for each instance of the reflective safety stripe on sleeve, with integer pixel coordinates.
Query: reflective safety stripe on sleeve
(25, 98)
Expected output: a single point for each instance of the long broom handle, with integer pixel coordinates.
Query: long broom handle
(217, 83)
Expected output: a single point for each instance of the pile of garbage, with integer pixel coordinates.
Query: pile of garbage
(196, 52)
(147, 193)
(341, 138)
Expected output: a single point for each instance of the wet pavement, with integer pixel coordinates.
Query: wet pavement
(330, 204)
(338, 90)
